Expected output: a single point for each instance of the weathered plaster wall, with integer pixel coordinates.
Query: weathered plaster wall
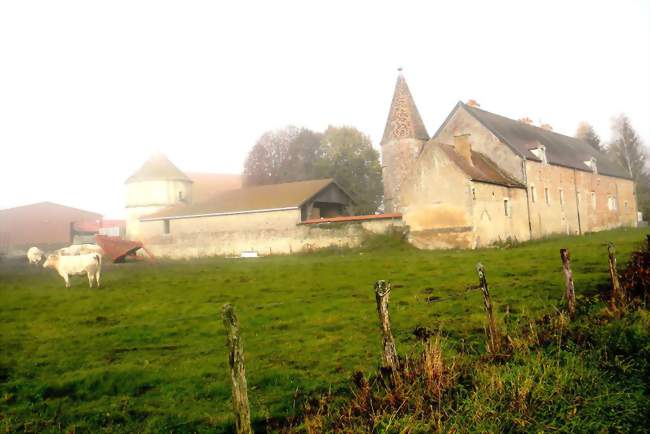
(156, 193)
(490, 221)
(267, 233)
(397, 157)
(147, 197)
(482, 140)
(437, 203)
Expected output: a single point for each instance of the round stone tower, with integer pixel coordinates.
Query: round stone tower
(158, 184)
(403, 139)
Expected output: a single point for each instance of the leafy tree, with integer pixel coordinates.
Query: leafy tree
(296, 154)
(586, 132)
(626, 147)
(304, 157)
(285, 155)
(354, 164)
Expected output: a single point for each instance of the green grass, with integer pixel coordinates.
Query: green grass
(146, 352)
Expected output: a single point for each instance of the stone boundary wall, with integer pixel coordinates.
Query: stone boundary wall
(301, 238)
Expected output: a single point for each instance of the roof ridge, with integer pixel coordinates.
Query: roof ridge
(525, 125)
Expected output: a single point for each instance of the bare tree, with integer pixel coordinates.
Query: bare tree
(626, 147)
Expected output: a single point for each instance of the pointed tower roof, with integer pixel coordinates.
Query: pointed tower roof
(404, 121)
(158, 168)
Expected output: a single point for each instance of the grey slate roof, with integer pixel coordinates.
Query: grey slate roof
(561, 150)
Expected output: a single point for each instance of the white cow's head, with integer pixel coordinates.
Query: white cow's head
(51, 261)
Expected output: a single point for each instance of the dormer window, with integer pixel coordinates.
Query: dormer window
(591, 163)
(540, 152)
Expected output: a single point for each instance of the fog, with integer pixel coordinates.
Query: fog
(88, 90)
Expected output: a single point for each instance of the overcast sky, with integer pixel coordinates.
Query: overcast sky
(89, 89)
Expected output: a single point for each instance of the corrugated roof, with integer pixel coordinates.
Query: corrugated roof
(262, 197)
(482, 168)
(206, 185)
(404, 121)
(158, 168)
(560, 149)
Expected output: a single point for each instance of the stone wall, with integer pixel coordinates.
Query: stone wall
(437, 203)
(604, 202)
(499, 214)
(397, 159)
(267, 233)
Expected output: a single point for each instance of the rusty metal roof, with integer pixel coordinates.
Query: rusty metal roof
(158, 168)
(482, 168)
(117, 249)
(561, 150)
(249, 199)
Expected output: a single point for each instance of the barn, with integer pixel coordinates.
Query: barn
(43, 224)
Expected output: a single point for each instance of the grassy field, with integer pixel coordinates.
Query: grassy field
(146, 352)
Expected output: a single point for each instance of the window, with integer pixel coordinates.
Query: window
(546, 196)
(505, 207)
(166, 227)
(593, 199)
(592, 164)
(532, 194)
(180, 196)
(562, 198)
(625, 204)
(540, 152)
(611, 203)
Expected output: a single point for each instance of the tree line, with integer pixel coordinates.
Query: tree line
(344, 154)
(625, 147)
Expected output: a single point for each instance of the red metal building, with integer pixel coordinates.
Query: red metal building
(43, 224)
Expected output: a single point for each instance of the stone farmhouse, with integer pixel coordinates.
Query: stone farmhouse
(479, 180)
(483, 178)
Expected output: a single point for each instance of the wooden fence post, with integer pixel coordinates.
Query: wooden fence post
(568, 274)
(616, 300)
(237, 371)
(382, 294)
(493, 339)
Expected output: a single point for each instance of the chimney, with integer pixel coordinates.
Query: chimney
(473, 103)
(546, 127)
(463, 147)
(526, 120)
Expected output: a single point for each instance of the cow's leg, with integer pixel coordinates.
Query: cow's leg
(90, 278)
(97, 276)
(67, 279)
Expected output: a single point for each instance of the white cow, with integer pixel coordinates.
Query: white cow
(35, 255)
(79, 249)
(90, 264)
